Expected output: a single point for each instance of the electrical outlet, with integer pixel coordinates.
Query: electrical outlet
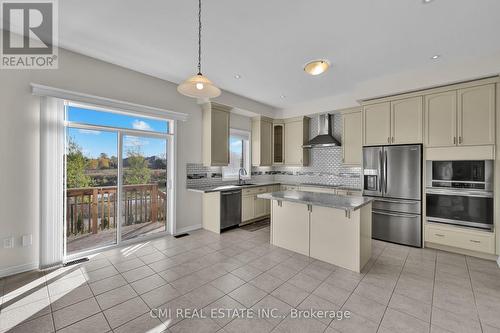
(27, 240)
(8, 243)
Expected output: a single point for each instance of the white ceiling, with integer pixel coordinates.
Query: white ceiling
(268, 42)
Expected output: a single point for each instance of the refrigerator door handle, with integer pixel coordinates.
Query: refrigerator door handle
(395, 215)
(380, 188)
(385, 172)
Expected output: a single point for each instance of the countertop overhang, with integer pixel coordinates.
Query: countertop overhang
(348, 203)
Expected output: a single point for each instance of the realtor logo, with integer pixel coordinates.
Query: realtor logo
(29, 34)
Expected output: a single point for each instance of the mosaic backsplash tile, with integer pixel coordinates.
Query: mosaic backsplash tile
(325, 167)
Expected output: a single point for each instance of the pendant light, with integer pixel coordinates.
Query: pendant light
(199, 86)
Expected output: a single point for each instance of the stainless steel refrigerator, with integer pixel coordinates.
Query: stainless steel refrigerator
(392, 175)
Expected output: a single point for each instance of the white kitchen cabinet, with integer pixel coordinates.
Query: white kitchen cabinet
(262, 129)
(247, 207)
(215, 143)
(377, 124)
(441, 119)
(352, 137)
(462, 238)
(290, 226)
(296, 135)
(407, 121)
(393, 122)
(260, 207)
(463, 117)
(476, 115)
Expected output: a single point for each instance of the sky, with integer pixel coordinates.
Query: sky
(93, 143)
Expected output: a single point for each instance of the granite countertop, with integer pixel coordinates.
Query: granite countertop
(318, 199)
(229, 187)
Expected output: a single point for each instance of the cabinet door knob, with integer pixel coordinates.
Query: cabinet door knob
(392, 139)
(475, 241)
(454, 140)
(439, 235)
(389, 139)
(459, 140)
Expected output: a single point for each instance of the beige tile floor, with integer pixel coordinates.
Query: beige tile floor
(401, 290)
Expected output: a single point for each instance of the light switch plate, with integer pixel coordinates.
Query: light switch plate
(27, 240)
(8, 243)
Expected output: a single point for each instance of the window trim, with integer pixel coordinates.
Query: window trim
(245, 135)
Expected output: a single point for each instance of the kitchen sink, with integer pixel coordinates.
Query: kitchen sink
(246, 184)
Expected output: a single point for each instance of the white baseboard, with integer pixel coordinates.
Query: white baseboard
(18, 269)
(187, 229)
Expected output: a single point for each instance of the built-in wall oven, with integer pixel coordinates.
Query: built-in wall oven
(460, 193)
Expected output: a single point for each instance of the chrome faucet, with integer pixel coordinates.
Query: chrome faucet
(241, 172)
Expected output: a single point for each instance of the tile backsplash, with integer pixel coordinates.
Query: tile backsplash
(325, 167)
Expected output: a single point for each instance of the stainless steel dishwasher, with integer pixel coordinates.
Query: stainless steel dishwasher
(230, 209)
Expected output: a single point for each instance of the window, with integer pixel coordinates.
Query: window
(239, 155)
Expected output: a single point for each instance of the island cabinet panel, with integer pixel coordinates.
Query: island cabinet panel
(339, 238)
(290, 226)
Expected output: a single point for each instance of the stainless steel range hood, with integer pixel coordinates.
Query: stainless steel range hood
(325, 134)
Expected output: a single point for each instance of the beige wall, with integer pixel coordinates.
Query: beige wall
(19, 139)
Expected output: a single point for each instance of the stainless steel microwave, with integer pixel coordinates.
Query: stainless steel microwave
(460, 193)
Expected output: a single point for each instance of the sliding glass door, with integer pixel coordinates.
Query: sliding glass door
(117, 179)
(91, 189)
(144, 190)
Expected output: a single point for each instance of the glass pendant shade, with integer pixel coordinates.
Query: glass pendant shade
(198, 86)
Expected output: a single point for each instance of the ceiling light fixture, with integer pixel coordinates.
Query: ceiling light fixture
(282, 96)
(436, 56)
(199, 86)
(316, 67)
(427, 1)
(237, 76)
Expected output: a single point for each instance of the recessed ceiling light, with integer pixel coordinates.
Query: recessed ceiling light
(436, 56)
(282, 96)
(237, 76)
(316, 67)
(427, 1)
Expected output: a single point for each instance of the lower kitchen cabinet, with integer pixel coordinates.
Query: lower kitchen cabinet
(461, 238)
(247, 207)
(290, 227)
(260, 208)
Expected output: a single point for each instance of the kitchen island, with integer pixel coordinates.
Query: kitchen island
(328, 227)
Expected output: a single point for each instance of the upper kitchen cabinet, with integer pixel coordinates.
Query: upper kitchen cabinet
(377, 124)
(476, 115)
(441, 119)
(351, 136)
(278, 142)
(393, 122)
(215, 143)
(463, 117)
(262, 131)
(296, 135)
(407, 120)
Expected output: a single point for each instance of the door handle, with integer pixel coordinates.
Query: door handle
(398, 202)
(385, 172)
(475, 241)
(460, 140)
(439, 235)
(392, 139)
(395, 215)
(380, 171)
(388, 139)
(454, 140)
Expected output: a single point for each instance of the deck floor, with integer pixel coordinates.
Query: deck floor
(108, 237)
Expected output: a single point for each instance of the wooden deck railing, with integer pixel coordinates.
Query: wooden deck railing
(93, 208)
